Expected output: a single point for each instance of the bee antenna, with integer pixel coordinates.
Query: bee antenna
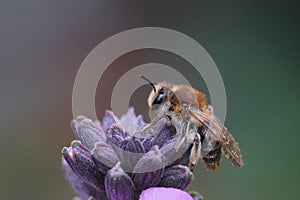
(146, 79)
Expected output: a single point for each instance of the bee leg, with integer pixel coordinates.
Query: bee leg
(150, 125)
(195, 152)
(184, 128)
(168, 120)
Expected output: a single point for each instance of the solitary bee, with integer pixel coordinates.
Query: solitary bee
(186, 109)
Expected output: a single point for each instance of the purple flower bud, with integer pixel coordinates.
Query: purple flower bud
(81, 162)
(196, 195)
(170, 153)
(105, 157)
(81, 189)
(118, 185)
(115, 135)
(132, 150)
(87, 131)
(149, 169)
(108, 119)
(164, 135)
(156, 193)
(148, 143)
(178, 176)
(185, 159)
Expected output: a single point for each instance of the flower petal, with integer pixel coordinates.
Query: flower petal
(130, 122)
(161, 193)
(108, 119)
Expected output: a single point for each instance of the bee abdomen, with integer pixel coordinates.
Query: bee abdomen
(213, 158)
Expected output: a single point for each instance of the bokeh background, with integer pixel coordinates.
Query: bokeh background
(255, 44)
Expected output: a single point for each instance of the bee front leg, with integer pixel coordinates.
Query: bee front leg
(195, 152)
(150, 125)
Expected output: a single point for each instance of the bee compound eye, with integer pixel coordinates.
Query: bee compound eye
(159, 99)
(161, 96)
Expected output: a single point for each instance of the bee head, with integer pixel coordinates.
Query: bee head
(158, 96)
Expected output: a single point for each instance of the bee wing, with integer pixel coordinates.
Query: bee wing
(219, 131)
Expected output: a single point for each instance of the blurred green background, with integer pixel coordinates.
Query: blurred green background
(255, 44)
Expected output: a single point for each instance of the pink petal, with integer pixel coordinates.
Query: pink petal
(162, 193)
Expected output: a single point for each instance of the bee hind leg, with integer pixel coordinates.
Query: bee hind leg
(195, 152)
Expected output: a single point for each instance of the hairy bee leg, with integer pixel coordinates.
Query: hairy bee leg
(195, 152)
(184, 128)
(152, 123)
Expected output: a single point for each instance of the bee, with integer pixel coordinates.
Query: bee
(186, 108)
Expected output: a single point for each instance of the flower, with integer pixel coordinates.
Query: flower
(162, 193)
(118, 160)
